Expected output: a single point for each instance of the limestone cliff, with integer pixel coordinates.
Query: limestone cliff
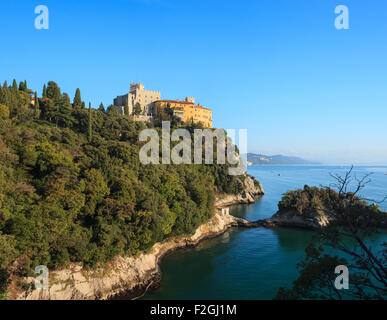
(251, 189)
(295, 220)
(129, 277)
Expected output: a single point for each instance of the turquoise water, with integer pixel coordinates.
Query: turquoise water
(253, 264)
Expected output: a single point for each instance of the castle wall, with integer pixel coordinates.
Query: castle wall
(136, 95)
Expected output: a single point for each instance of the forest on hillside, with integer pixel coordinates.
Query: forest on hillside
(72, 188)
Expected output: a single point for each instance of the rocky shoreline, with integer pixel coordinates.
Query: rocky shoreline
(129, 277)
(290, 219)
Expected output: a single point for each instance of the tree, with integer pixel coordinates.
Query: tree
(77, 103)
(14, 85)
(95, 189)
(18, 102)
(4, 111)
(63, 200)
(22, 86)
(352, 224)
(137, 109)
(36, 105)
(48, 109)
(112, 110)
(53, 91)
(169, 110)
(64, 109)
(101, 108)
(90, 133)
(4, 282)
(44, 94)
(126, 109)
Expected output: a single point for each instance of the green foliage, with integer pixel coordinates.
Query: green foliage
(14, 85)
(53, 91)
(314, 200)
(77, 103)
(18, 102)
(137, 109)
(90, 126)
(55, 107)
(167, 114)
(66, 197)
(112, 110)
(4, 111)
(353, 224)
(23, 86)
(126, 108)
(7, 250)
(4, 281)
(44, 93)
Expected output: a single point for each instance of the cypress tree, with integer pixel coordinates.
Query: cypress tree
(77, 103)
(23, 86)
(36, 106)
(89, 136)
(126, 109)
(83, 105)
(44, 95)
(101, 107)
(14, 85)
(36, 101)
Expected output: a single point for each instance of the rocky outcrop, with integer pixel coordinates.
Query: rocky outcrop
(292, 219)
(251, 189)
(130, 277)
(312, 220)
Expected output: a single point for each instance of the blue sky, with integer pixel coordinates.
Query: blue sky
(278, 68)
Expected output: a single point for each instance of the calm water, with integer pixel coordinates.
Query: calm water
(253, 264)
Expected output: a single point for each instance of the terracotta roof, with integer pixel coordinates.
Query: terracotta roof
(175, 101)
(183, 102)
(200, 107)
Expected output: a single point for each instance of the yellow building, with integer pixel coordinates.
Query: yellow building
(187, 110)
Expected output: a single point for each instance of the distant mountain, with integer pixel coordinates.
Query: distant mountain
(260, 159)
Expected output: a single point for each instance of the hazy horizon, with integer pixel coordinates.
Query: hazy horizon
(326, 162)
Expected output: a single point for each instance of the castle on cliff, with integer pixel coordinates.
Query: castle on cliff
(145, 104)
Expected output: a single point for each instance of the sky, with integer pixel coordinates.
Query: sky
(278, 68)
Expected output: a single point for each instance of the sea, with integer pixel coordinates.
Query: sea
(255, 263)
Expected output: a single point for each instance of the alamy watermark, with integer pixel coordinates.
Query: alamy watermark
(342, 20)
(342, 280)
(181, 153)
(42, 20)
(41, 281)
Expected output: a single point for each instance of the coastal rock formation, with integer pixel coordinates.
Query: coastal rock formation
(315, 208)
(130, 277)
(251, 189)
(294, 220)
